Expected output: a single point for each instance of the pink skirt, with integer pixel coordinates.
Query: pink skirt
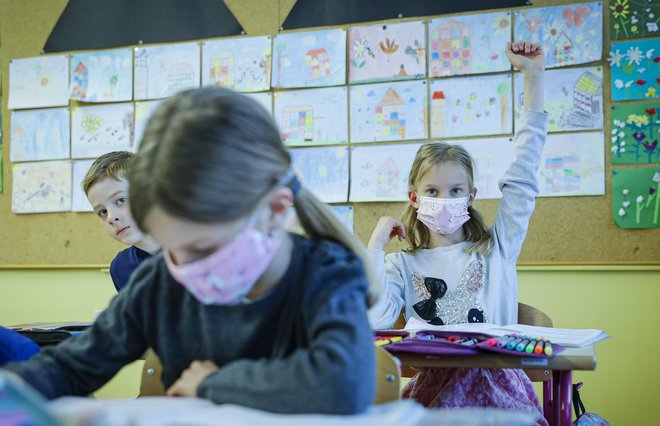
(474, 387)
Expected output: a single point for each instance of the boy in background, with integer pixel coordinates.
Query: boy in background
(106, 187)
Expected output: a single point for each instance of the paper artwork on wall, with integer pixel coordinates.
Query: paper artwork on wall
(324, 171)
(380, 173)
(39, 82)
(39, 134)
(143, 112)
(79, 201)
(570, 34)
(163, 70)
(634, 18)
(469, 44)
(41, 187)
(98, 129)
(387, 52)
(572, 164)
(635, 132)
(635, 199)
(104, 76)
(241, 64)
(309, 59)
(265, 99)
(469, 106)
(389, 111)
(573, 98)
(312, 116)
(635, 67)
(492, 158)
(344, 214)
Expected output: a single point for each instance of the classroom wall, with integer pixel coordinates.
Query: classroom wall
(621, 301)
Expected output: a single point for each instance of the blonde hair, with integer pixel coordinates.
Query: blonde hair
(201, 144)
(111, 165)
(417, 234)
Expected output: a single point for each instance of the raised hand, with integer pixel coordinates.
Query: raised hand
(386, 229)
(525, 55)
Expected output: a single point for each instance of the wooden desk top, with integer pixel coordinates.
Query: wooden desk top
(568, 359)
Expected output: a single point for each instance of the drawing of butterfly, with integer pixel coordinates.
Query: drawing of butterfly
(575, 17)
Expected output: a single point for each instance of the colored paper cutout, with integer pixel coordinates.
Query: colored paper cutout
(635, 199)
(389, 111)
(635, 67)
(635, 130)
(387, 52)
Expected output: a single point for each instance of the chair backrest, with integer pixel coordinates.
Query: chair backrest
(388, 377)
(530, 315)
(152, 384)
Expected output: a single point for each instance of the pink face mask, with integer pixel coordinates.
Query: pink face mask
(226, 276)
(443, 215)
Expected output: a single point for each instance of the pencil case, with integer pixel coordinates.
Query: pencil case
(433, 342)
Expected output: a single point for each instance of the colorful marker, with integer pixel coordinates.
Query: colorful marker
(502, 341)
(470, 342)
(530, 348)
(548, 348)
(522, 345)
(539, 347)
(513, 343)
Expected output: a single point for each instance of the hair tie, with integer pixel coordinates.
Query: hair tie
(295, 186)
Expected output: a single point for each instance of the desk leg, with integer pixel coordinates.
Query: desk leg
(556, 403)
(565, 397)
(547, 400)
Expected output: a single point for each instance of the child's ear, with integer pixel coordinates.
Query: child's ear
(472, 196)
(281, 200)
(412, 198)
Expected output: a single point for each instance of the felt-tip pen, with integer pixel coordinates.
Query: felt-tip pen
(530, 348)
(522, 345)
(512, 344)
(547, 348)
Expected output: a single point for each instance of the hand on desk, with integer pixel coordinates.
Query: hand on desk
(191, 377)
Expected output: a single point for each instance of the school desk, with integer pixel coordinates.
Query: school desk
(557, 393)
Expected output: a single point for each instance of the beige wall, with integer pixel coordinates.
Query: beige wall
(621, 301)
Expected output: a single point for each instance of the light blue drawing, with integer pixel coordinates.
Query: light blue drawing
(105, 76)
(570, 34)
(163, 70)
(242, 64)
(313, 116)
(345, 215)
(389, 111)
(98, 129)
(324, 171)
(40, 134)
(309, 59)
(469, 44)
(635, 69)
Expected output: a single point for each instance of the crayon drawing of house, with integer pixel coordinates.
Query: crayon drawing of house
(181, 76)
(80, 81)
(390, 116)
(451, 49)
(563, 49)
(387, 177)
(298, 123)
(317, 62)
(588, 93)
(222, 72)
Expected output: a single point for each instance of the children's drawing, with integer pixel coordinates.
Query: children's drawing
(573, 98)
(635, 133)
(469, 44)
(469, 106)
(324, 171)
(265, 99)
(635, 67)
(105, 76)
(143, 112)
(309, 59)
(241, 64)
(387, 52)
(635, 199)
(380, 173)
(40, 134)
(162, 71)
(98, 129)
(79, 201)
(313, 116)
(41, 187)
(39, 82)
(389, 111)
(634, 18)
(570, 34)
(492, 158)
(344, 214)
(572, 164)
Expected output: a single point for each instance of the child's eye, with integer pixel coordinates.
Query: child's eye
(102, 213)
(455, 191)
(432, 192)
(121, 201)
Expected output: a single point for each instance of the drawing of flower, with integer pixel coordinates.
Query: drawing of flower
(622, 212)
(626, 191)
(634, 55)
(620, 9)
(360, 47)
(552, 30)
(629, 83)
(634, 29)
(618, 83)
(640, 199)
(651, 27)
(649, 53)
(615, 59)
(533, 24)
(650, 92)
(656, 177)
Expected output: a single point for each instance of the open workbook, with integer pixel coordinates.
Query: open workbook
(567, 337)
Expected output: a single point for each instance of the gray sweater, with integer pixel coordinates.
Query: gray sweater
(304, 347)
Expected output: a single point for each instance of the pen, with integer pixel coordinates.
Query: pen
(522, 345)
(426, 336)
(530, 348)
(539, 347)
(548, 348)
(512, 344)
(470, 342)
(502, 341)
(492, 341)
(455, 339)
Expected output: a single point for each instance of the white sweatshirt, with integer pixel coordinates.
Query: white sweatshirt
(478, 289)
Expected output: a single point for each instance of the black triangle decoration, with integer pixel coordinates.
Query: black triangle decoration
(320, 13)
(101, 24)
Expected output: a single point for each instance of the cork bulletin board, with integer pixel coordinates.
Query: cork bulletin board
(563, 230)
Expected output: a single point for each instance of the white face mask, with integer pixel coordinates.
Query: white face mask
(443, 215)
